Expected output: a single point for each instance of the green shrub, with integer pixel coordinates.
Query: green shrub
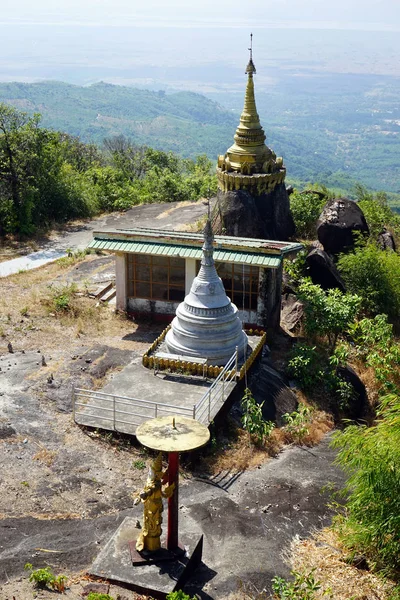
(305, 365)
(297, 422)
(370, 458)
(253, 420)
(327, 313)
(304, 587)
(376, 346)
(97, 596)
(374, 275)
(61, 298)
(179, 595)
(306, 208)
(377, 212)
(43, 578)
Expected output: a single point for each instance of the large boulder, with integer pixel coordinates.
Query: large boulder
(386, 241)
(236, 214)
(359, 397)
(270, 387)
(292, 311)
(274, 209)
(267, 216)
(339, 221)
(323, 271)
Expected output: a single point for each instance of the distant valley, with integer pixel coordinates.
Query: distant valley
(336, 130)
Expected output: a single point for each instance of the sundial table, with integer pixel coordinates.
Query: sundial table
(173, 435)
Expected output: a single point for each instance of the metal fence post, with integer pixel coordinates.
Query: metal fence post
(194, 411)
(114, 413)
(155, 410)
(236, 361)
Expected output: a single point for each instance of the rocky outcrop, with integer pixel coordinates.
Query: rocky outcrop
(359, 398)
(270, 387)
(386, 241)
(291, 313)
(236, 214)
(339, 221)
(267, 216)
(323, 271)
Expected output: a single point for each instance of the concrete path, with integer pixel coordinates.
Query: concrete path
(168, 215)
(30, 261)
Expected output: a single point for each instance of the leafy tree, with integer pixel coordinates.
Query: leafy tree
(327, 313)
(371, 459)
(306, 208)
(374, 275)
(20, 139)
(377, 212)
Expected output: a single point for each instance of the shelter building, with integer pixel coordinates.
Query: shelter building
(155, 269)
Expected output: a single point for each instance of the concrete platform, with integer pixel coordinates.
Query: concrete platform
(138, 393)
(115, 563)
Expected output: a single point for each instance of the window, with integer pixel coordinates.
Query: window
(240, 283)
(156, 277)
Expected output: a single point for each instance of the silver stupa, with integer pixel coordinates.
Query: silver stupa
(207, 324)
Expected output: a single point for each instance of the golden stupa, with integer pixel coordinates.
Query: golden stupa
(249, 164)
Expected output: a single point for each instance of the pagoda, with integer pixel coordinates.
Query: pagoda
(207, 324)
(251, 176)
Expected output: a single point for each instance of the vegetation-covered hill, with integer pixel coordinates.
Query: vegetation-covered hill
(337, 136)
(184, 122)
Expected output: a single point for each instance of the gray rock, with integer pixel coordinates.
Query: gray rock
(339, 221)
(266, 216)
(270, 386)
(359, 399)
(386, 241)
(236, 214)
(292, 312)
(323, 271)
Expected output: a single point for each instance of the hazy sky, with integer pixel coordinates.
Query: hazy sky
(363, 14)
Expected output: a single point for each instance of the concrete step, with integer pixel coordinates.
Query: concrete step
(101, 290)
(109, 295)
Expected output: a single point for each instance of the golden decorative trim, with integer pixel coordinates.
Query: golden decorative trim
(210, 371)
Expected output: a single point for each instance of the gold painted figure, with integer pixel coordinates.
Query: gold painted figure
(152, 498)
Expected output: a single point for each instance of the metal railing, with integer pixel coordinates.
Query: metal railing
(207, 407)
(109, 411)
(124, 414)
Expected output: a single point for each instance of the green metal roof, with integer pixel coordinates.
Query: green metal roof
(182, 251)
(192, 239)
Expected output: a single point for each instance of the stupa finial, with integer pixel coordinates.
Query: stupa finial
(250, 69)
(208, 247)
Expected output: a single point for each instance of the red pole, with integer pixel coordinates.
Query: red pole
(173, 477)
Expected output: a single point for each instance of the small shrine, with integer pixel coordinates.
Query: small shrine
(207, 323)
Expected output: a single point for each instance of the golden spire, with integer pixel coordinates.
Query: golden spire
(249, 164)
(249, 152)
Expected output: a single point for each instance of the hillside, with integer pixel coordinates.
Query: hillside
(184, 122)
(337, 130)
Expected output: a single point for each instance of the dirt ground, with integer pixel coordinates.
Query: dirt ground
(51, 471)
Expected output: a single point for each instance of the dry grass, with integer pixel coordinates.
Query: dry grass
(324, 553)
(46, 456)
(320, 423)
(368, 377)
(243, 454)
(29, 320)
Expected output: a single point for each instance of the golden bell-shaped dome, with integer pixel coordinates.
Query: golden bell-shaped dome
(249, 155)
